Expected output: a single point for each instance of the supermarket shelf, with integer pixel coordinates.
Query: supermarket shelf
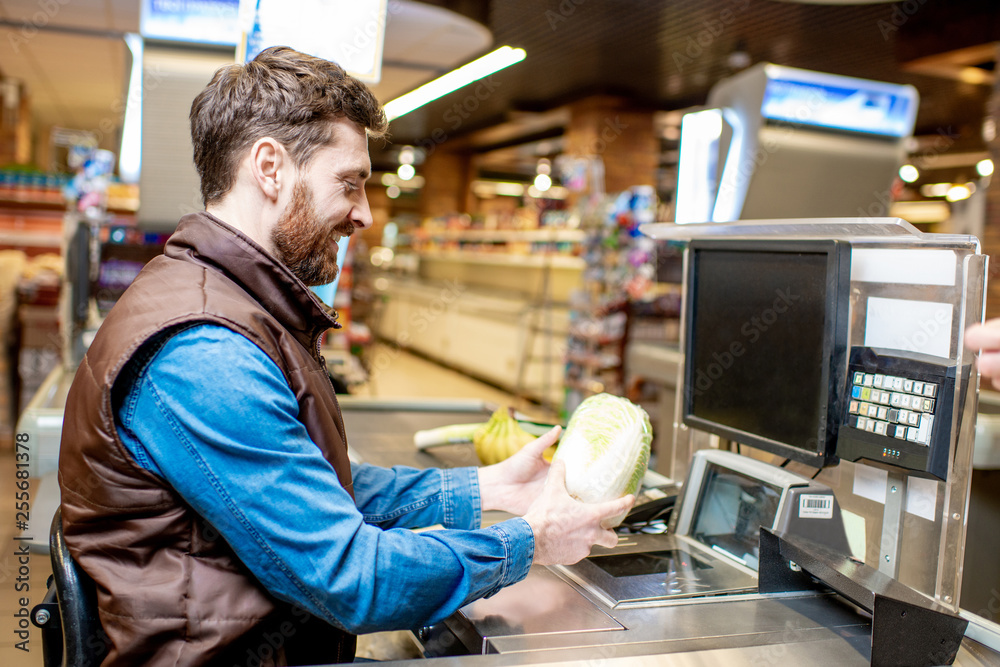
(123, 207)
(504, 259)
(35, 204)
(524, 235)
(29, 239)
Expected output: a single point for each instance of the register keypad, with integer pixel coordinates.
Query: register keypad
(893, 406)
(898, 408)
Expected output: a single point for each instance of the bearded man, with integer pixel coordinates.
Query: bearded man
(206, 486)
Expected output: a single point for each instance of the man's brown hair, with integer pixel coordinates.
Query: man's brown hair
(283, 94)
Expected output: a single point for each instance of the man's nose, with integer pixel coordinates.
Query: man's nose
(361, 214)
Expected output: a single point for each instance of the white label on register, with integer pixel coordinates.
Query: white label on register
(915, 326)
(910, 266)
(815, 507)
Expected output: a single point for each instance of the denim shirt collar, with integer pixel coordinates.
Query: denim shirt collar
(209, 241)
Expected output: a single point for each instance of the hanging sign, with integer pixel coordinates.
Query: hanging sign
(351, 33)
(193, 21)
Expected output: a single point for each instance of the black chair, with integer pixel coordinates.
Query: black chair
(72, 635)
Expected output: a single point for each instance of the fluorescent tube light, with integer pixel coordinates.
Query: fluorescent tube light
(697, 172)
(130, 157)
(492, 62)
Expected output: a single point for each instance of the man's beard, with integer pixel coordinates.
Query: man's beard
(304, 243)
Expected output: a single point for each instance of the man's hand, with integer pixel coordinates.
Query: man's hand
(565, 529)
(512, 485)
(986, 337)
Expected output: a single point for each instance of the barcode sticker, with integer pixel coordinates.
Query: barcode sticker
(815, 507)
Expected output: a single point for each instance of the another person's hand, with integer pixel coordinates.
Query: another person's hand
(565, 529)
(986, 337)
(513, 484)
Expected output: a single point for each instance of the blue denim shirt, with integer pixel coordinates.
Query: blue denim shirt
(210, 413)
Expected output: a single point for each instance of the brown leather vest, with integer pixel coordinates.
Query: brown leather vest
(170, 589)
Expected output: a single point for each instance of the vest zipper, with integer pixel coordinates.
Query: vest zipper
(322, 362)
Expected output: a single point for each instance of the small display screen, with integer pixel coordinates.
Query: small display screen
(757, 344)
(731, 510)
(669, 561)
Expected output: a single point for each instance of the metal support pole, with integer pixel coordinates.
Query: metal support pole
(892, 524)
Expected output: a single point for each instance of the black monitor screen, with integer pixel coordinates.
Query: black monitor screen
(765, 343)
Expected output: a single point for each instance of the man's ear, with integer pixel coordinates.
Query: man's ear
(270, 167)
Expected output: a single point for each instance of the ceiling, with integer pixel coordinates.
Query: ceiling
(667, 55)
(662, 54)
(73, 59)
(74, 63)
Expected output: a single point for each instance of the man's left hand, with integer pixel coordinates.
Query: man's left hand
(512, 485)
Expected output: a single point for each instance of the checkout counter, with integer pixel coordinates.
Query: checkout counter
(635, 604)
(858, 551)
(882, 586)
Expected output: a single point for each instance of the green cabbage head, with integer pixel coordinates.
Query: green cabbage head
(606, 450)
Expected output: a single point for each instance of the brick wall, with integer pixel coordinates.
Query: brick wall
(623, 137)
(446, 189)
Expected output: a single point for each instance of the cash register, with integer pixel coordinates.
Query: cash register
(766, 351)
(785, 359)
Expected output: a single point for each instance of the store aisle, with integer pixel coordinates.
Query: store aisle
(398, 374)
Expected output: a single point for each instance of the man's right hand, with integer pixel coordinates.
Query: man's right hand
(565, 529)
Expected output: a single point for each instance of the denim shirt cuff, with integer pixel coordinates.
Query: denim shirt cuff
(519, 551)
(460, 493)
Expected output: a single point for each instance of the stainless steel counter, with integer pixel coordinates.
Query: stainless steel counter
(813, 650)
(547, 619)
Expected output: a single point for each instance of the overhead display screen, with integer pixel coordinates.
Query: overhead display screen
(192, 21)
(840, 103)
